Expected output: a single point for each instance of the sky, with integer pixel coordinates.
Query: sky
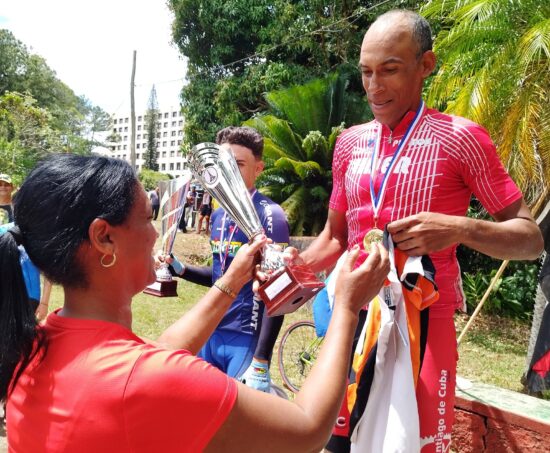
(90, 44)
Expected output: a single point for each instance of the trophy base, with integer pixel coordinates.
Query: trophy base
(162, 288)
(288, 289)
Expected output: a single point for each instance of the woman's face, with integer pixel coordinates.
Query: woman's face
(135, 240)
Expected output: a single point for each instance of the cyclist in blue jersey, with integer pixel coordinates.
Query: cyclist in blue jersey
(242, 344)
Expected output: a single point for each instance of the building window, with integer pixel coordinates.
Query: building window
(179, 142)
(180, 133)
(139, 137)
(173, 124)
(125, 138)
(172, 153)
(137, 155)
(125, 120)
(118, 148)
(158, 134)
(164, 154)
(139, 118)
(166, 115)
(139, 127)
(163, 167)
(114, 121)
(159, 115)
(173, 143)
(178, 165)
(125, 128)
(180, 123)
(125, 147)
(163, 144)
(158, 125)
(113, 148)
(144, 136)
(158, 144)
(171, 165)
(174, 114)
(137, 146)
(114, 130)
(165, 134)
(120, 129)
(165, 124)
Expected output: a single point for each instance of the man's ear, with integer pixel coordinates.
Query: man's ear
(428, 63)
(98, 234)
(259, 167)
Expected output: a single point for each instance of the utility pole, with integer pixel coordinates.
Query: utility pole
(133, 116)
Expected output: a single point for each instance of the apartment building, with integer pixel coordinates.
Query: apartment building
(169, 138)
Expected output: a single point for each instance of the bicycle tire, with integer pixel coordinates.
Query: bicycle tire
(297, 353)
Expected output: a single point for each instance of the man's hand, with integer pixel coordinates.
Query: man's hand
(257, 376)
(426, 232)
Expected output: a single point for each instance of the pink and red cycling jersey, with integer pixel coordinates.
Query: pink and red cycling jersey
(446, 159)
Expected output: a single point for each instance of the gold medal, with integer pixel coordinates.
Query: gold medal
(373, 236)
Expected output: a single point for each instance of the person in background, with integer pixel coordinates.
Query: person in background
(6, 191)
(413, 170)
(84, 380)
(204, 213)
(242, 344)
(155, 202)
(187, 208)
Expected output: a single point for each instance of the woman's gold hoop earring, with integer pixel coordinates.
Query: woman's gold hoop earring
(112, 263)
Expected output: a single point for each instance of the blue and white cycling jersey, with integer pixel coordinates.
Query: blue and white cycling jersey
(226, 238)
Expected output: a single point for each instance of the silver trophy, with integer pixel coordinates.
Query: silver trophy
(289, 286)
(172, 199)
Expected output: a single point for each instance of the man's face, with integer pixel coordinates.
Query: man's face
(249, 166)
(6, 189)
(392, 70)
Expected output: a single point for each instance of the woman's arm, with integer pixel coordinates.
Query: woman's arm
(305, 424)
(191, 331)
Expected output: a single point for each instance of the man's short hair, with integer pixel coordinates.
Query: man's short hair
(244, 136)
(421, 30)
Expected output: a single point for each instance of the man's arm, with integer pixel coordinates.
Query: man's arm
(325, 250)
(514, 236)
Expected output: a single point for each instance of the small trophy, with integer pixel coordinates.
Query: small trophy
(289, 286)
(172, 198)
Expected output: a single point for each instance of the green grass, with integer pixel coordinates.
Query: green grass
(493, 351)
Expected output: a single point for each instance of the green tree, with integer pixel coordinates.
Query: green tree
(238, 50)
(151, 128)
(495, 69)
(26, 134)
(299, 135)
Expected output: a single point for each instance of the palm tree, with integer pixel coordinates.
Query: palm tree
(495, 70)
(300, 132)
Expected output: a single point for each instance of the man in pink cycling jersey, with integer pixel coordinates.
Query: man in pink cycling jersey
(413, 170)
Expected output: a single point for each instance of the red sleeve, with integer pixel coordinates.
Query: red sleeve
(340, 161)
(175, 401)
(483, 171)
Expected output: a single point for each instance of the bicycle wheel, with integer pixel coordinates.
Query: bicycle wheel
(297, 353)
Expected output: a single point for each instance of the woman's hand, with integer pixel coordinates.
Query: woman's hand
(357, 287)
(243, 265)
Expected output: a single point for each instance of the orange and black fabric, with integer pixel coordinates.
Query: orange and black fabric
(419, 292)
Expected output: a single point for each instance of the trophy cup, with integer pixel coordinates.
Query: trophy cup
(288, 286)
(172, 196)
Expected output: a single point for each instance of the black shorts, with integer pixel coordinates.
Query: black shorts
(206, 210)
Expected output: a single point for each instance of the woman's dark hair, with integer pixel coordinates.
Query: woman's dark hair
(53, 210)
(245, 136)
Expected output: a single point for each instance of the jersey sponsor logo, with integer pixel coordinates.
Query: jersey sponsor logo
(230, 248)
(357, 166)
(255, 313)
(269, 216)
